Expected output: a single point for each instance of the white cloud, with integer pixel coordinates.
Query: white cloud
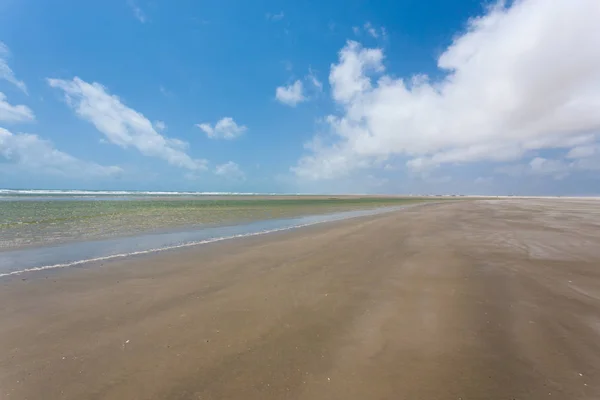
(160, 126)
(6, 72)
(33, 154)
(122, 125)
(348, 78)
(230, 170)
(138, 13)
(542, 166)
(226, 128)
(291, 94)
(584, 151)
(295, 93)
(370, 29)
(181, 145)
(520, 79)
(275, 17)
(10, 113)
(314, 81)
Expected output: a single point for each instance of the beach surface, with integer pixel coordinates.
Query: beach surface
(487, 299)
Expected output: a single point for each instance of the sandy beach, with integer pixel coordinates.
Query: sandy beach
(487, 299)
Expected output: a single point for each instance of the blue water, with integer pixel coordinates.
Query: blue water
(15, 262)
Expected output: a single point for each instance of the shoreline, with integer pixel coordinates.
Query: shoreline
(173, 255)
(281, 225)
(35, 223)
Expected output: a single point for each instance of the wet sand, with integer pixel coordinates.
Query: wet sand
(490, 299)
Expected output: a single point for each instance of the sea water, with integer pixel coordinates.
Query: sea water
(16, 262)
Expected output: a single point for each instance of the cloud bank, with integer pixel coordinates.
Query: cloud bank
(520, 80)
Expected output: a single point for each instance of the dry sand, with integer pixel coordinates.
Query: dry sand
(491, 299)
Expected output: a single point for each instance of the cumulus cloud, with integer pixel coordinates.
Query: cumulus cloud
(226, 128)
(295, 93)
(122, 125)
(230, 170)
(6, 72)
(349, 78)
(36, 155)
(10, 113)
(291, 95)
(520, 79)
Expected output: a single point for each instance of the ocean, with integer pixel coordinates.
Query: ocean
(51, 229)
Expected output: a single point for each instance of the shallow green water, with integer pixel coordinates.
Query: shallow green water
(27, 222)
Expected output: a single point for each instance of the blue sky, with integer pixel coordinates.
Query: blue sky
(400, 96)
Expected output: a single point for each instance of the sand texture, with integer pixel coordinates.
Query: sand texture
(490, 299)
